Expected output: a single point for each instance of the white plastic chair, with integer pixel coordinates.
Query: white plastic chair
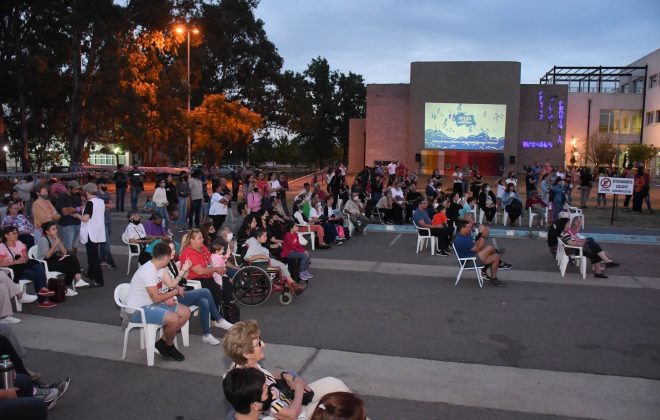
(463, 262)
(575, 212)
(531, 215)
(563, 258)
(148, 332)
(194, 310)
(482, 214)
(309, 232)
(378, 213)
(131, 253)
(424, 237)
(22, 283)
(32, 254)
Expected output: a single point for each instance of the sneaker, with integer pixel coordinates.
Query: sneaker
(112, 266)
(82, 283)
(209, 339)
(505, 266)
(70, 293)
(612, 264)
(308, 274)
(105, 263)
(338, 242)
(9, 320)
(61, 387)
(176, 354)
(47, 304)
(27, 298)
(46, 395)
(43, 292)
(441, 253)
(303, 277)
(496, 283)
(95, 284)
(223, 323)
(485, 275)
(163, 350)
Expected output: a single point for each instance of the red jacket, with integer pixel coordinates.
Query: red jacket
(291, 244)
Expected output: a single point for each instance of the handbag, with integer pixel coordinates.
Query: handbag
(284, 389)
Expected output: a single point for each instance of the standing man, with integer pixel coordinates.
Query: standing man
(69, 206)
(457, 176)
(105, 254)
(92, 233)
(119, 178)
(530, 182)
(137, 186)
(182, 191)
(196, 196)
(391, 172)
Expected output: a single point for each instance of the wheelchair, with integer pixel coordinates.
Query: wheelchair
(255, 282)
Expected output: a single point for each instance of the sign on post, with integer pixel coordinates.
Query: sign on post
(609, 185)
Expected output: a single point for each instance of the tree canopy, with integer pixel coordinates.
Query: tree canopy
(77, 74)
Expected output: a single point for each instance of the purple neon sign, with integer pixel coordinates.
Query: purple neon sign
(527, 144)
(541, 117)
(560, 117)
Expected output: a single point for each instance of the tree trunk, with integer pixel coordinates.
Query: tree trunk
(26, 163)
(75, 146)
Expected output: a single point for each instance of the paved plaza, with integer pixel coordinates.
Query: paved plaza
(392, 325)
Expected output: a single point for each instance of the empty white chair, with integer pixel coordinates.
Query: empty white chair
(463, 262)
(32, 254)
(133, 251)
(309, 232)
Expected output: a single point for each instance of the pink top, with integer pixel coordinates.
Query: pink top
(254, 202)
(6, 251)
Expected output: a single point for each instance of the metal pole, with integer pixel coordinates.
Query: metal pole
(613, 208)
(189, 144)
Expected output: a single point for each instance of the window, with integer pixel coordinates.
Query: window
(657, 116)
(625, 88)
(102, 159)
(617, 121)
(649, 117)
(653, 81)
(604, 124)
(639, 86)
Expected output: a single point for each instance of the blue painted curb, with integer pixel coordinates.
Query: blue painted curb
(533, 234)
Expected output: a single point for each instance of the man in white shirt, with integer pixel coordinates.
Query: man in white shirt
(92, 233)
(218, 207)
(159, 308)
(391, 172)
(457, 176)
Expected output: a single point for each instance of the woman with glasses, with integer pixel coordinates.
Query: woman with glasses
(245, 347)
(21, 223)
(13, 255)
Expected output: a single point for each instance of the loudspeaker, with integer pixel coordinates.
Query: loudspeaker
(512, 160)
(418, 157)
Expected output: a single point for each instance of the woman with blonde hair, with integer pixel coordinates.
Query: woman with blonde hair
(245, 347)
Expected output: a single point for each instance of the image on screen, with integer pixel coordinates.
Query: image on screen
(464, 126)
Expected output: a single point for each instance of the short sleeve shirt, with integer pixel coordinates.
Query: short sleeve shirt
(463, 245)
(202, 258)
(439, 218)
(8, 253)
(66, 200)
(421, 216)
(145, 276)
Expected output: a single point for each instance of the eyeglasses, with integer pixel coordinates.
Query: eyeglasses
(260, 342)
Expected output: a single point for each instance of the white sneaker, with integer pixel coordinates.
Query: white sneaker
(82, 283)
(209, 339)
(70, 292)
(27, 298)
(10, 320)
(223, 323)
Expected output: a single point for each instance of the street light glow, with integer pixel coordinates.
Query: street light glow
(195, 31)
(180, 29)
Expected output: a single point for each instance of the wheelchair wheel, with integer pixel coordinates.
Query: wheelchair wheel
(286, 298)
(252, 286)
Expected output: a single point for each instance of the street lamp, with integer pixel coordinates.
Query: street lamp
(181, 29)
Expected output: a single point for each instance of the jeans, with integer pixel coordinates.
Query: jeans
(70, 236)
(135, 194)
(203, 299)
(105, 253)
(119, 202)
(37, 274)
(25, 407)
(195, 208)
(164, 214)
(303, 257)
(601, 200)
(94, 270)
(183, 212)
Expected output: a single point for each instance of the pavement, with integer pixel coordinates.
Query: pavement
(391, 324)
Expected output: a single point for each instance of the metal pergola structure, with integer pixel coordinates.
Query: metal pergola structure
(589, 76)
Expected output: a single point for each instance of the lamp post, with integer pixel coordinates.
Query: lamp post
(181, 29)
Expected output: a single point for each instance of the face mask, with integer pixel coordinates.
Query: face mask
(230, 236)
(487, 189)
(255, 190)
(135, 222)
(104, 188)
(356, 198)
(44, 196)
(435, 205)
(267, 402)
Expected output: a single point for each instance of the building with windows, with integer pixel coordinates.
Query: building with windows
(478, 114)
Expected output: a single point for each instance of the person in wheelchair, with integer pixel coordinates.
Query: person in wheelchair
(256, 252)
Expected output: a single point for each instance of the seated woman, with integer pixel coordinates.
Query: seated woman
(342, 405)
(53, 251)
(209, 233)
(537, 205)
(511, 203)
(201, 269)
(256, 252)
(13, 254)
(244, 346)
(155, 226)
(135, 233)
(393, 212)
(291, 249)
(488, 203)
(306, 225)
(23, 226)
(248, 226)
(465, 212)
(9, 290)
(590, 248)
(332, 213)
(172, 275)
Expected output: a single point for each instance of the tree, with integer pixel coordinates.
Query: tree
(222, 125)
(602, 151)
(351, 100)
(641, 153)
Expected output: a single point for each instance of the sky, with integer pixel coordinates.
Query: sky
(380, 38)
